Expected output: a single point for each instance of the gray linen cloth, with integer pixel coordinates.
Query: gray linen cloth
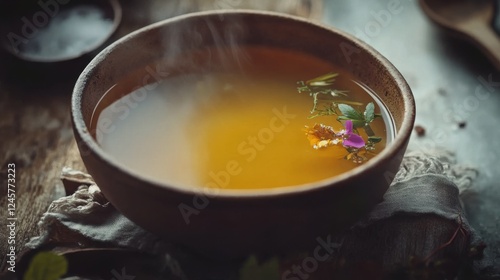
(420, 212)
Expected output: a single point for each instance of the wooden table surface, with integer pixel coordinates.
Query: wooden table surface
(36, 135)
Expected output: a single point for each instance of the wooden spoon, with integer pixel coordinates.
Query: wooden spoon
(469, 19)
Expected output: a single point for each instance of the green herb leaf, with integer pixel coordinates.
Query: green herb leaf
(328, 111)
(374, 139)
(369, 112)
(324, 80)
(252, 270)
(343, 118)
(355, 123)
(301, 87)
(46, 266)
(337, 93)
(350, 112)
(358, 124)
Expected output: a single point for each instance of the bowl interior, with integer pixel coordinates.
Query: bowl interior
(197, 31)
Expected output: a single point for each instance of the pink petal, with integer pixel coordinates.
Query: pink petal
(348, 127)
(354, 141)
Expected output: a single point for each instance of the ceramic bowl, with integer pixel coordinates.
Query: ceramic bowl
(234, 223)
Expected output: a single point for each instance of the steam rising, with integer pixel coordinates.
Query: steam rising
(200, 63)
(214, 44)
(304, 8)
(203, 61)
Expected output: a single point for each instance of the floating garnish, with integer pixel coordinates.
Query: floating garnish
(324, 136)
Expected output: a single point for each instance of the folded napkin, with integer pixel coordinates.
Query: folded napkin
(420, 213)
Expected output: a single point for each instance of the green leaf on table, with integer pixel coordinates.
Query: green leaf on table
(46, 266)
(350, 112)
(369, 112)
(252, 270)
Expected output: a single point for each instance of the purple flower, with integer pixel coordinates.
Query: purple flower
(352, 140)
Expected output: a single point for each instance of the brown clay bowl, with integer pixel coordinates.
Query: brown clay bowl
(234, 223)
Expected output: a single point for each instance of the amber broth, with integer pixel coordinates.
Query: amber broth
(241, 128)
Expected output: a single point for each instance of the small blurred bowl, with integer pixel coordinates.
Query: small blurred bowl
(237, 223)
(23, 22)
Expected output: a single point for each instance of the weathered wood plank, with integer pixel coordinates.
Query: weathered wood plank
(36, 136)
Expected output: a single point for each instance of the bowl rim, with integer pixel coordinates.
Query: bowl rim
(117, 18)
(399, 141)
